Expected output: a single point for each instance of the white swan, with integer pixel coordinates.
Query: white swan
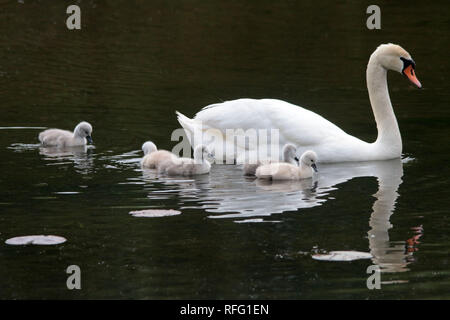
(153, 157)
(289, 156)
(287, 171)
(64, 138)
(306, 129)
(188, 166)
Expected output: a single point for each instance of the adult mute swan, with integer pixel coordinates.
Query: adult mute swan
(306, 129)
(287, 171)
(64, 138)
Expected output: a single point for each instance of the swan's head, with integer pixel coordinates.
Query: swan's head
(394, 57)
(84, 130)
(309, 158)
(148, 147)
(289, 152)
(202, 152)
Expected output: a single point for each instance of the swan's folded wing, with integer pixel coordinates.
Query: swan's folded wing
(294, 124)
(53, 137)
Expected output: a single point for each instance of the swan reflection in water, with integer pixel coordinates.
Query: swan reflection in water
(227, 194)
(80, 156)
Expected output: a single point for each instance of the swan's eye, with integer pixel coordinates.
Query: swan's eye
(407, 63)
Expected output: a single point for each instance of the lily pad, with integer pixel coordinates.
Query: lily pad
(154, 213)
(342, 256)
(257, 220)
(36, 240)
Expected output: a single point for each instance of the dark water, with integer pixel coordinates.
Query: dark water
(126, 72)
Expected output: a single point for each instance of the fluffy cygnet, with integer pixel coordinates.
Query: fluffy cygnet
(188, 166)
(65, 138)
(287, 171)
(153, 157)
(289, 156)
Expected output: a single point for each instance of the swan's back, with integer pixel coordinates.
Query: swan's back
(278, 171)
(187, 167)
(250, 168)
(155, 158)
(295, 123)
(55, 137)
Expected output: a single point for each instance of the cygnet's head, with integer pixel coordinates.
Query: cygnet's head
(393, 57)
(289, 152)
(202, 152)
(148, 147)
(84, 130)
(309, 158)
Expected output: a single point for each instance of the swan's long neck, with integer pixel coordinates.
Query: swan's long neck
(198, 155)
(77, 132)
(289, 156)
(149, 147)
(389, 139)
(305, 170)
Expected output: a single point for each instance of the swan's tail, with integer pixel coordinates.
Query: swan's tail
(190, 126)
(214, 139)
(200, 134)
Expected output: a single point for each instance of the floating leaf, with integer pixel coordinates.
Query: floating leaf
(154, 213)
(249, 220)
(257, 220)
(342, 256)
(395, 282)
(67, 192)
(36, 240)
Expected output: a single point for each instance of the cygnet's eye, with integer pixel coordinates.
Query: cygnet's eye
(312, 160)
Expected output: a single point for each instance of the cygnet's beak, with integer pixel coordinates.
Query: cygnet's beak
(89, 139)
(297, 160)
(314, 167)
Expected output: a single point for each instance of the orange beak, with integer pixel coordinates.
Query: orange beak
(409, 72)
